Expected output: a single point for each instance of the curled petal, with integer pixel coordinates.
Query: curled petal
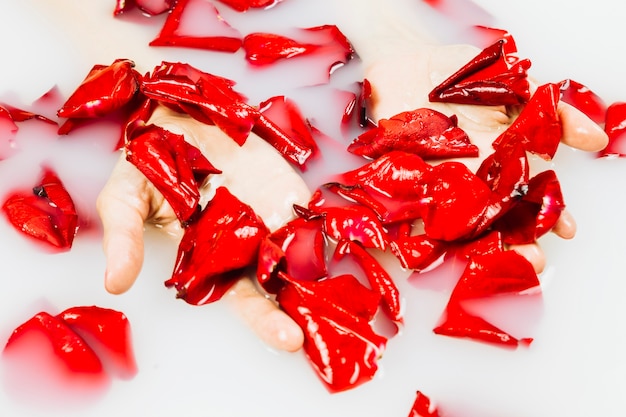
(215, 248)
(425, 132)
(615, 128)
(584, 99)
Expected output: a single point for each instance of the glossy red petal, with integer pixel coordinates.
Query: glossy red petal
(110, 328)
(379, 279)
(615, 128)
(215, 248)
(149, 7)
(425, 132)
(104, 90)
(197, 24)
(175, 167)
(537, 127)
(584, 99)
(355, 223)
(455, 202)
(204, 96)
(47, 213)
(67, 345)
(490, 78)
(422, 407)
(244, 5)
(335, 316)
(536, 213)
(418, 252)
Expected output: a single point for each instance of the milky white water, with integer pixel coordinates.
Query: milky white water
(202, 361)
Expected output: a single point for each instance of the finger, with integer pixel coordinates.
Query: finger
(123, 208)
(565, 227)
(533, 253)
(263, 316)
(579, 131)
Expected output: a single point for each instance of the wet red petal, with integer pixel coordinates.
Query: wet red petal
(425, 132)
(172, 165)
(354, 223)
(615, 128)
(335, 316)
(455, 202)
(488, 275)
(108, 327)
(536, 213)
(418, 252)
(204, 96)
(422, 407)
(215, 247)
(244, 5)
(104, 90)
(490, 79)
(46, 213)
(67, 345)
(182, 28)
(537, 127)
(379, 279)
(584, 99)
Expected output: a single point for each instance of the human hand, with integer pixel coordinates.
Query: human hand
(402, 77)
(255, 173)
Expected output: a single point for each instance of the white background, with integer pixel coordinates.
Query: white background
(202, 361)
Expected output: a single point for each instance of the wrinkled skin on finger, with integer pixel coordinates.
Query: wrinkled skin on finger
(253, 172)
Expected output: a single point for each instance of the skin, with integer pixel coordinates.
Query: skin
(402, 67)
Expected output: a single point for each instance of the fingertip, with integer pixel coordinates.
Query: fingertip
(533, 253)
(565, 227)
(124, 258)
(272, 325)
(579, 131)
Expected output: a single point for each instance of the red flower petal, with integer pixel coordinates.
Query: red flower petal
(46, 214)
(104, 90)
(172, 165)
(536, 213)
(491, 78)
(538, 126)
(109, 327)
(335, 316)
(425, 132)
(67, 345)
(215, 248)
(206, 97)
(585, 100)
(244, 5)
(418, 252)
(455, 202)
(150, 7)
(197, 24)
(422, 407)
(486, 276)
(379, 279)
(615, 128)
(354, 223)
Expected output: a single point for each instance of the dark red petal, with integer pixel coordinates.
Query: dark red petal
(536, 213)
(615, 128)
(197, 24)
(425, 132)
(422, 407)
(537, 127)
(175, 167)
(335, 316)
(108, 327)
(379, 279)
(584, 99)
(67, 345)
(104, 90)
(215, 247)
(490, 79)
(455, 202)
(47, 213)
